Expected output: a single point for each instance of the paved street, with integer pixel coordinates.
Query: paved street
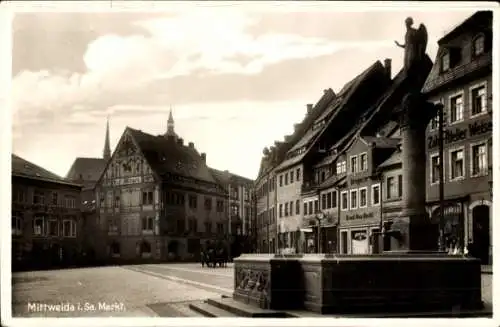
(143, 290)
(104, 291)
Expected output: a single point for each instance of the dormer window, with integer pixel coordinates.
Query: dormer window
(478, 45)
(445, 61)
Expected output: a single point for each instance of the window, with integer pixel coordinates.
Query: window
(38, 226)
(281, 210)
(305, 208)
(456, 108)
(334, 199)
(117, 201)
(479, 161)
(286, 209)
(147, 224)
(17, 223)
(54, 199)
(457, 164)
(208, 203)
(391, 192)
(147, 197)
(329, 200)
(69, 228)
(400, 185)
(53, 228)
(220, 206)
(375, 195)
(297, 207)
(298, 175)
(354, 164)
(445, 62)
(354, 199)
(193, 225)
(478, 100)
(344, 200)
(38, 197)
(478, 45)
(363, 200)
(235, 209)
(220, 228)
(291, 177)
(193, 201)
(316, 205)
(18, 195)
(281, 180)
(310, 207)
(435, 168)
(70, 202)
(286, 179)
(323, 201)
(363, 164)
(341, 167)
(208, 227)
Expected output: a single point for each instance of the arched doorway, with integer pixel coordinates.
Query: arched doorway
(481, 233)
(173, 249)
(145, 249)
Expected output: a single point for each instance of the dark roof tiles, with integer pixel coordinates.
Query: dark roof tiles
(23, 168)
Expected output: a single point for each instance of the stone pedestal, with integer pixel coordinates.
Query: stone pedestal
(360, 284)
(415, 231)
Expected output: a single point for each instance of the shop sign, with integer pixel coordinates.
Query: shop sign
(127, 181)
(366, 215)
(460, 134)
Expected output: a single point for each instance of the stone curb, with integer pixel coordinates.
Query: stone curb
(207, 287)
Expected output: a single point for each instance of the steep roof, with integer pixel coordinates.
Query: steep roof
(382, 142)
(166, 155)
(225, 177)
(24, 168)
(332, 111)
(394, 159)
(86, 169)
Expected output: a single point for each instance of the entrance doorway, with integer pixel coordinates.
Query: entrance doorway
(359, 242)
(481, 233)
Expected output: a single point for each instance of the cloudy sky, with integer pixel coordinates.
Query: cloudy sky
(237, 77)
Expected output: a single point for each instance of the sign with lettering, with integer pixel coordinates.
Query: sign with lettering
(460, 134)
(366, 215)
(127, 181)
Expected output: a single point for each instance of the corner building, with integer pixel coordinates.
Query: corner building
(158, 200)
(46, 218)
(461, 80)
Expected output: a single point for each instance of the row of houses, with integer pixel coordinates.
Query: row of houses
(154, 198)
(339, 175)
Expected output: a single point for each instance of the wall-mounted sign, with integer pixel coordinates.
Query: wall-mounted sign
(127, 181)
(366, 215)
(459, 134)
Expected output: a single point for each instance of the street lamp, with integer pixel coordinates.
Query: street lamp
(319, 217)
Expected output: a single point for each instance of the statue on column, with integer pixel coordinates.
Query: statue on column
(415, 43)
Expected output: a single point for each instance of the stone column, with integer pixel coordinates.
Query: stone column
(415, 230)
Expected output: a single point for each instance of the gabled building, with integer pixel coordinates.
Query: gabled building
(158, 199)
(349, 170)
(86, 172)
(266, 183)
(461, 80)
(46, 218)
(330, 126)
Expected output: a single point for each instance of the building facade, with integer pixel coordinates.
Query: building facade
(461, 80)
(158, 200)
(46, 218)
(86, 172)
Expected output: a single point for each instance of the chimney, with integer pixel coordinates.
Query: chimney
(204, 157)
(309, 108)
(180, 141)
(387, 66)
(191, 145)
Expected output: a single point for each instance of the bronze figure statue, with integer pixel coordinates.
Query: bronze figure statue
(415, 43)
